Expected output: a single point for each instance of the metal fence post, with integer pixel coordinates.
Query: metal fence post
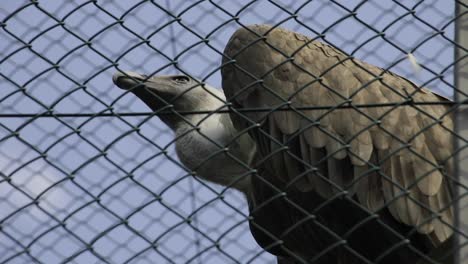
(461, 94)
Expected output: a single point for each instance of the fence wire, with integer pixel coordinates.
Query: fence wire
(89, 174)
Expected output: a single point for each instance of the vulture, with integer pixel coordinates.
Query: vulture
(340, 161)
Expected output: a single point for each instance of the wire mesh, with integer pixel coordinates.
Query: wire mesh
(88, 174)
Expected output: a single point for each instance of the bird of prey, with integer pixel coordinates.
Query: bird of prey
(327, 179)
(350, 168)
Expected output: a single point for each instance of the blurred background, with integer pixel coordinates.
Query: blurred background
(81, 182)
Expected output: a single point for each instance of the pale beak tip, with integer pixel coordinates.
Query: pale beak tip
(126, 79)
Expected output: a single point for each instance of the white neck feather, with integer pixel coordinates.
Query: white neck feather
(215, 132)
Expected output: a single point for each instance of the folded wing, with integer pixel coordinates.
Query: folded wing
(342, 126)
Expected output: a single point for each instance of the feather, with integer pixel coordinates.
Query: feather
(428, 176)
(375, 199)
(407, 179)
(314, 136)
(425, 222)
(442, 229)
(361, 182)
(414, 63)
(380, 139)
(294, 168)
(361, 149)
(308, 183)
(276, 148)
(287, 121)
(322, 186)
(399, 192)
(335, 147)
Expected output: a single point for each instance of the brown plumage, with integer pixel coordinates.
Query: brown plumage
(373, 176)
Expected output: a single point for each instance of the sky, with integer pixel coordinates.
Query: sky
(69, 184)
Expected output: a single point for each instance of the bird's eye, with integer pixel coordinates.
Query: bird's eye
(181, 79)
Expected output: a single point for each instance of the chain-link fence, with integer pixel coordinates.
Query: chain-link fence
(88, 174)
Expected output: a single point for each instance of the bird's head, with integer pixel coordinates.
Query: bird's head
(180, 92)
(215, 130)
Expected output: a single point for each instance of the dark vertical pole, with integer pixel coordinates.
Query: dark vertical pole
(461, 126)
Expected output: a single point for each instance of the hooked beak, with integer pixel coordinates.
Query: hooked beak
(128, 80)
(151, 91)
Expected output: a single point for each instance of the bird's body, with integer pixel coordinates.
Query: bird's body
(344, 183)
(350, 185)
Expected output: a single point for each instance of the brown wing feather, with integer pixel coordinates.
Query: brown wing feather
(275, 67)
